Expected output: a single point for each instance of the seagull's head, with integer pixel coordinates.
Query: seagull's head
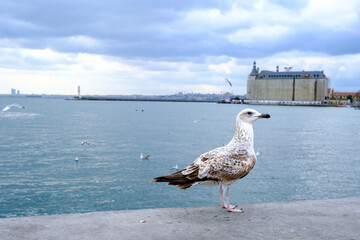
(250, 115)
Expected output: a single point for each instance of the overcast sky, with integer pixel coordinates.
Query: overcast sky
(164, 46)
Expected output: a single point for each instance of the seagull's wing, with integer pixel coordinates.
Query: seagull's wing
(227, 80)
(228, 167)
(16, 105)
(12, 105)
(217, 165)
(6, 108)
(221, 165)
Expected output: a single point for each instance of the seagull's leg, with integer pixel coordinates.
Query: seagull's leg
(230, 208)
(222, 197)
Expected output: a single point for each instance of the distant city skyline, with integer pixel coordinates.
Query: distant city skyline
(166, 47)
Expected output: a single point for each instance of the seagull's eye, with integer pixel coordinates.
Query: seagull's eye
(249, 113)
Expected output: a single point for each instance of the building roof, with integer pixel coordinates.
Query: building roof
(292, 74)
(254, 71)
(345, 94)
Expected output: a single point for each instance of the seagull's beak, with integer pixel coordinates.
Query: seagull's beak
(264, 116)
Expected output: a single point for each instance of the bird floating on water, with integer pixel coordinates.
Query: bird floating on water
(12, 105)
(144, 157)
(175, 167)
(193, 120)
(223, 165)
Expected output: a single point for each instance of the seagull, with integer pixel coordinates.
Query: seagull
(12, 105)
(144, 157)
(193, 120)
(227, 80)
(223, 165)
(76, 159)
(175, 167)
(84, 142)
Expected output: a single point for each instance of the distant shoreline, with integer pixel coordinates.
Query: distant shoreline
(165, 99)
(136, 99)
(96, 98)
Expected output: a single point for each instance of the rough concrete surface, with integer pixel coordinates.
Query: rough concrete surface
(315, 219)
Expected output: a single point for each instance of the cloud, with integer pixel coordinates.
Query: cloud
(133, 46)
(253, 36)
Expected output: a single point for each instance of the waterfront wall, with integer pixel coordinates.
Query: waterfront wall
(315, 219)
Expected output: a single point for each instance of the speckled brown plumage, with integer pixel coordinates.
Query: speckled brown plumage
(223, 165)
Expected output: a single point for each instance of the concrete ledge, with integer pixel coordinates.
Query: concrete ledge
(316, 219)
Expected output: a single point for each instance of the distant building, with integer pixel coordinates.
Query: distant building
(343, 97)
(13, 91)
(287, 86)
(18, 92)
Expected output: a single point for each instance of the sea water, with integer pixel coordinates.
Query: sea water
(303, 153)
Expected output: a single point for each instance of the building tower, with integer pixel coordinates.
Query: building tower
(254, 71)
(79, 96)
(250, 93)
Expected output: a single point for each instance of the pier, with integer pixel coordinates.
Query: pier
(313, 219)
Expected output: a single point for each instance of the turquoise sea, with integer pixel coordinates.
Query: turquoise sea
(304, 153)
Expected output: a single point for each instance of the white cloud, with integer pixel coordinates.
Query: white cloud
(258, 35)
(164, 49)
(331, 14)
(83, 41)
(99, 74)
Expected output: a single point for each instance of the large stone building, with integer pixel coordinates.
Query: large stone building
(287, 86)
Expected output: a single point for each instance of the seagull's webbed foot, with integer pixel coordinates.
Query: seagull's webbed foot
(228, 207)
(237, 210)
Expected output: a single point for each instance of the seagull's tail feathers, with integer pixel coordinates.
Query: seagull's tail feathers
(177, 178)
(181, 180)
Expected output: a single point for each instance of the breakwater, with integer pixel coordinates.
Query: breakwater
(96, 98)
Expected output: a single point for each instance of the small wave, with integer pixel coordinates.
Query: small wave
(19, 115)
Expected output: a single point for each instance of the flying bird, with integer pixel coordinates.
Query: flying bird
(227, 80)
(223, 165)
(144, 157)
(84, 142)
(12, 105)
